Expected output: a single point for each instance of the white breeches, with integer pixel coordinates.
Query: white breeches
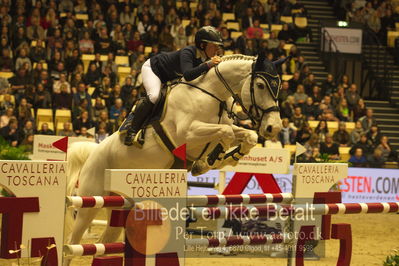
(151, 82)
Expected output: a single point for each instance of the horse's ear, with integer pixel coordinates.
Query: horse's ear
(259, 61)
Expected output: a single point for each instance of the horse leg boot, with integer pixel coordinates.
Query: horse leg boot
(141, 113)
(246, 140)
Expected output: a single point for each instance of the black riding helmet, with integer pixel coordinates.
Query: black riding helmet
(207, 34)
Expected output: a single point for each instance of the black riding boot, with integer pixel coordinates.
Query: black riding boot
(141, 113)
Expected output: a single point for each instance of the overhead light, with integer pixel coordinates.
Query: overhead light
(342, 24)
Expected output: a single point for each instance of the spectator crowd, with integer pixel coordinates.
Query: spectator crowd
(44, 44)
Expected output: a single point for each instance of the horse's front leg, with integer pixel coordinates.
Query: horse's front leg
(246, 140)
(200, 132)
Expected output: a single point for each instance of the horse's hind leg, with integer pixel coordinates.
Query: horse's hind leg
(111, 234)
(83, 219)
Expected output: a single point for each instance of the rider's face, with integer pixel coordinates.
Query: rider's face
(211, 49)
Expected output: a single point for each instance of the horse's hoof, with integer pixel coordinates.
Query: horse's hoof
(198, 168)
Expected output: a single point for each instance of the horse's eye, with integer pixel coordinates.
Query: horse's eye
(261, 86)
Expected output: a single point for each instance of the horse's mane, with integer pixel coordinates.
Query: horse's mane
(237, 57)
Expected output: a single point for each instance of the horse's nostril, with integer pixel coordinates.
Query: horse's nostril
(269, 129)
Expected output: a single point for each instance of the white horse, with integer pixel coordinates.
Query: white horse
(191, 117)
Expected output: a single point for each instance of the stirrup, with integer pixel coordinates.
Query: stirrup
(138, 140)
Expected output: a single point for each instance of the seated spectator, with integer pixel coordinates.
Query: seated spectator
(255, 31)
(352, 96)
(116, 109)
(6, 62)
(300, 95)
(80, 95)
(228, 42)
(45, 130)
(27, 130)
(312, 147)
(304, 133)
(86, 45)
(341, 136)
(27, 143)
(343, 111)
(10, 132)
(84, 133)
(250, 47)
(131, 99)
(55, 74)
(294, 82)
(98, 108)
(284, 92)
(328, 85)
(309, 82)
(356, 133)
(6, 103)
(376, 160)
(322, 130)
(248, 18)
(72, 61)
(20, 81)
(344, 82)
(273, 41)
(330, 148)
(287, 134)
(61, 82)
(62, 99)
(103, 44)
(103, 118)
(82, 121)
(66, 130)
(5, 118)
(180, 38)
(387, 153)
(368, 120)
(286, 34)
(359, 110)
(298, 119)
(42, 98)
(316, 95)
(338, 95)
(363, 144)
(358, 159)
(24, 111)
(374, 136)
(287, 107)
(101, 133)
(309, 109)
(38, 52)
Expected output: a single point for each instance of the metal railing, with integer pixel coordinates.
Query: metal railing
(331, 55)
(375, 61)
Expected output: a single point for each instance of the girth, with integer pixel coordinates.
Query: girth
(178, 163)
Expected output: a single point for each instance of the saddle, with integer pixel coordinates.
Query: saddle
(154, 120)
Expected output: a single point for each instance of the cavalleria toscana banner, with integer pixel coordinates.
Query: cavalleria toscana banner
(32, 205)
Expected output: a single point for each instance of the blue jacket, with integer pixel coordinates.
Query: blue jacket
(185, 62)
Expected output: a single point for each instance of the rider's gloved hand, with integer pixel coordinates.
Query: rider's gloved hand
(214, 61)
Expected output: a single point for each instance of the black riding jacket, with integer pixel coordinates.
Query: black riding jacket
(186, 62)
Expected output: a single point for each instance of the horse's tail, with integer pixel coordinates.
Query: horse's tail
(77, 155)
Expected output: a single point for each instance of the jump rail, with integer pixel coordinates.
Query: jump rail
(203, 200)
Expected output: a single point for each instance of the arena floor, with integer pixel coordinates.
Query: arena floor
(374, 237)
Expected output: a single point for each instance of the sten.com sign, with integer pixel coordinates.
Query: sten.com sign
(360, 185)
(347, 40)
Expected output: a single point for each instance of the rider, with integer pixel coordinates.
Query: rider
(189, 62)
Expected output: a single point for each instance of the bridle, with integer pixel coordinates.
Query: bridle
(255, 112)
(259, 111)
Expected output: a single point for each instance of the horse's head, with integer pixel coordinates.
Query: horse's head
(260, 96)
